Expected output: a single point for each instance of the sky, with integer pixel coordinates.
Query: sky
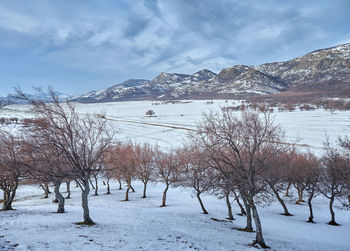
(83, 45)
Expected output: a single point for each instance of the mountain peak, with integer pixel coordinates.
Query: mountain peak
(325, 70)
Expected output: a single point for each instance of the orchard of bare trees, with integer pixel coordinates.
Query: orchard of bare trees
(232, 155)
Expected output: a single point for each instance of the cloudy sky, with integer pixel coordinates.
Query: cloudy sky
(78, 46)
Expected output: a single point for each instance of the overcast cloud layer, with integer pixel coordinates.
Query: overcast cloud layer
(78, 46)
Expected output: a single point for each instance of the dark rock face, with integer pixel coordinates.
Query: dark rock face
(321, 70)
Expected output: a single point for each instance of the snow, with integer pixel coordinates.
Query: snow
(141, 224)
(173, 122)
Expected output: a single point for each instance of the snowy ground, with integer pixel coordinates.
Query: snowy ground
(173, 122)
(141, 224)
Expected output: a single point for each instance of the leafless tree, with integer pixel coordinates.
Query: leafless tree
(150, 113)
(298, 165)
(344, 144)
(45, 161)
(144, 155)
(11, 167)
(332, 183)
(125, 164)
(168, 170)
(276, 168)
(111, 166)
(240, 142)
(312, 179)
(107, 171)
(198, 173)
(82, 139)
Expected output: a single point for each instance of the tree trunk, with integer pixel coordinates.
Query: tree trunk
(92, 185)
(287, 190)
(285, 209)
(120, 184)
(249, 226)
(349, 199)
(6, 206)
(259, 239)
(332, 222)
(132, 189)
(300, 196)
(164, 195)
(47, 188)
(9, 196)
(239, 204)
(228, 203)
(85, 202)
(96, 186)
(201, 203)
(59, 197)
(45, 191)
(144, 190)
(68, 189)
(108, 188)
(311, 217)
(6, 203)
(127, 192)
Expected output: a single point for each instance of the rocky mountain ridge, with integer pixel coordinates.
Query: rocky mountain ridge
(325, 69)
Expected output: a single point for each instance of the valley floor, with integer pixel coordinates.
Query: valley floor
(141, 224)
(172, 123)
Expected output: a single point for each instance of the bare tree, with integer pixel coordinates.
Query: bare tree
(82, 139)
(144, 156)
(168, 170)
(125, 164)
(304, 174)
(344, 143)
(46, 162)
(275, 173)
(312, 178)
(107, 171)
(198, 173)
(11, 154)
(332, 183)
(240, 142)
(150, 113)
(298, 165)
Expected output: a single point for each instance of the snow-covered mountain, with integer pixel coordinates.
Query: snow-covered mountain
(110, 93)
(321, 70)
(325, 68)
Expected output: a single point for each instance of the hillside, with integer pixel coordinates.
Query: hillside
(324, 71)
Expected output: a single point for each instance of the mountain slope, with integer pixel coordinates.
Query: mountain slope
(321, 67)
(325, 70)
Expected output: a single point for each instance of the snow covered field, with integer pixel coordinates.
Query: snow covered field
(173, 122)
(142, 225)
